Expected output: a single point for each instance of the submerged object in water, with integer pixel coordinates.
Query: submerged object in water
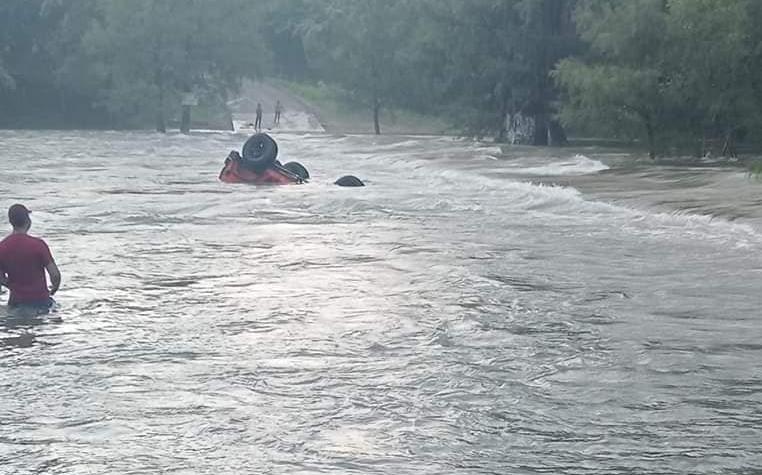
(349, 181)
(237, 171)
(258, 164)
(297, 169)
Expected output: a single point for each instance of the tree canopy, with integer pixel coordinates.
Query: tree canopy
(668, 72)
(676, 72)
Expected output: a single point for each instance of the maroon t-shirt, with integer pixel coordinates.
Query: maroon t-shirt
(23, 259)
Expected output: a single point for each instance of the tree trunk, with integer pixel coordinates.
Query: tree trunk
(556, 33)
(540, 130)
(185, 123)
(557, 134)
(377, 116)
(729, 145)
(651, 139)
(502, 135)
(161, 125)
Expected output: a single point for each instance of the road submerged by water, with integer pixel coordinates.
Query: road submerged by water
(452, 317)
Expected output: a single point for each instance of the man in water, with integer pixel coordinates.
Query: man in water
(278, 110)
(258, 121)
(23, 262)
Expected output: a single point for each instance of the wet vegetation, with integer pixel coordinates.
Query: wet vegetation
(675, 75)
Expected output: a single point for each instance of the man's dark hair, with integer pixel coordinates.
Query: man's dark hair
(18, 215)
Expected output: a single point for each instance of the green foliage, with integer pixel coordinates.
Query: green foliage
(487, 59)
(338, 111)
(665, 72)
(360, 45)
(755, 169)
(35, 43)
(283, 22)
(608, 99)
(669, 71)
(147, 53)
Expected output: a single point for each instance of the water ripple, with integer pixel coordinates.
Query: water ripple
(446, 319)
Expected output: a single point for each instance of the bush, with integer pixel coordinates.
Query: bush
(755, 169)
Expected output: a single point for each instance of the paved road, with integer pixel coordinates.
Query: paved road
(297, 116)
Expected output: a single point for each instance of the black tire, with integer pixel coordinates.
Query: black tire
(297, 169)
(349, 181)
(259, 152)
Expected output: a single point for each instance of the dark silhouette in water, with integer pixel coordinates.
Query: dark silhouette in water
(349, 181)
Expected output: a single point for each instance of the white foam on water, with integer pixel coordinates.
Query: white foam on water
(564, 203)
(579, 165)
(446, 166)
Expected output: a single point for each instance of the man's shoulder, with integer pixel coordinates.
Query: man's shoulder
(37, 241)
(9, 240)
(22, 240)
(7, 244)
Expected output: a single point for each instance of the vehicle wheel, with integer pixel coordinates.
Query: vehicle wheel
(259, 152)
(297, 169)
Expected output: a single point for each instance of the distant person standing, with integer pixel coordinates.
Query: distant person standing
(258, 120)
(278, 111)
(23, 262)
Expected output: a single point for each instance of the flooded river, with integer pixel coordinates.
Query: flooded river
(457, 316)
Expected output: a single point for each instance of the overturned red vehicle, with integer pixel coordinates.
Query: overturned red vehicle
(258, 165)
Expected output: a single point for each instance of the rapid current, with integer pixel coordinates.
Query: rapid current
(459, 315)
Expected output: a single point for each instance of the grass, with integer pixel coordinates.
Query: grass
(339, 113)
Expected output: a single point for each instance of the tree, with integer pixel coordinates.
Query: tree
(284, 21)
(148, 53)
(485, 77)
(357, 45)
(497, 56)
(712, 66)
(620, 86)
(671, 71)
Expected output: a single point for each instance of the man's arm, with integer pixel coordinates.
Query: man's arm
(55, 277)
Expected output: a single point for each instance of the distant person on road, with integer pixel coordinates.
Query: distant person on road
(23, 262)
(278, 111)
(258, 121)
